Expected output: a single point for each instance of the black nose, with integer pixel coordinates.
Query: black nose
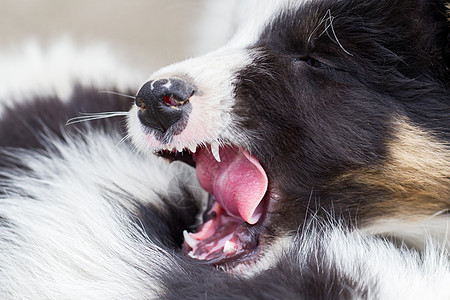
(164, 103)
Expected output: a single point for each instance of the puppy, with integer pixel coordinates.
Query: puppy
(319, 135)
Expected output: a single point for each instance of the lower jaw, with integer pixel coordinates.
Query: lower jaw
(223, 240)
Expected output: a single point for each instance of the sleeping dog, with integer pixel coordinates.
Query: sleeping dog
(308, 158)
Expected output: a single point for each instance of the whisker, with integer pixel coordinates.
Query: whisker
(103, 113)
(118, 94)
(328, 23)
(335, 36)
(328, 20)
(317, 27)
(126, 137)
(96, 116)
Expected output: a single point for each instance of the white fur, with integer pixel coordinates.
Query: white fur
(389, 272)
(414, 232)
(71, 236)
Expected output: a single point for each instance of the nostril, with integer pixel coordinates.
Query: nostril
(140, 103)
(174, 102)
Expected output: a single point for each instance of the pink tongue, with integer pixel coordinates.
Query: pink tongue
(238, 182)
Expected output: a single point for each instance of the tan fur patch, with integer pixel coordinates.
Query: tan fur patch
(415, 180)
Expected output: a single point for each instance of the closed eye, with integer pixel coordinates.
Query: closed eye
(314, 63)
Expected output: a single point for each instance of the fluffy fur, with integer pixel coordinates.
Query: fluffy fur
(345, 108)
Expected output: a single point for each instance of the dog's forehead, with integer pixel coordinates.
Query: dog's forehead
(252, 16)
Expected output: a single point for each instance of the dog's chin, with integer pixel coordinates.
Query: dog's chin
(234, 222)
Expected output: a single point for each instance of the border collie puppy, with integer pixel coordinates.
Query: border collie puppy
(309, 160)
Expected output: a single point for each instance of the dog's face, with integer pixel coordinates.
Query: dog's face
(313, 107)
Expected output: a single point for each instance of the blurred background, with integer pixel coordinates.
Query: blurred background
(146, 33)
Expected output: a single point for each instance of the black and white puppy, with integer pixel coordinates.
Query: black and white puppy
(320, 139)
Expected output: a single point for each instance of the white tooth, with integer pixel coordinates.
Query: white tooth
(189, 239)
(193, 148)
(229, 247)
(215, 151)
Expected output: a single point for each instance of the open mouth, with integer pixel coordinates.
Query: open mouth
(237, 184)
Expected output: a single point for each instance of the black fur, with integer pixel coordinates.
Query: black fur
(327, 84)
(23, 124)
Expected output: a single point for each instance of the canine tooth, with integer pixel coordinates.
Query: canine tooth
(189, 239)
(191, 254)
(215, 151)
(228, 247)
(193, 148)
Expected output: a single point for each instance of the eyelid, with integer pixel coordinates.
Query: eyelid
(311, 61)
(314, 62)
